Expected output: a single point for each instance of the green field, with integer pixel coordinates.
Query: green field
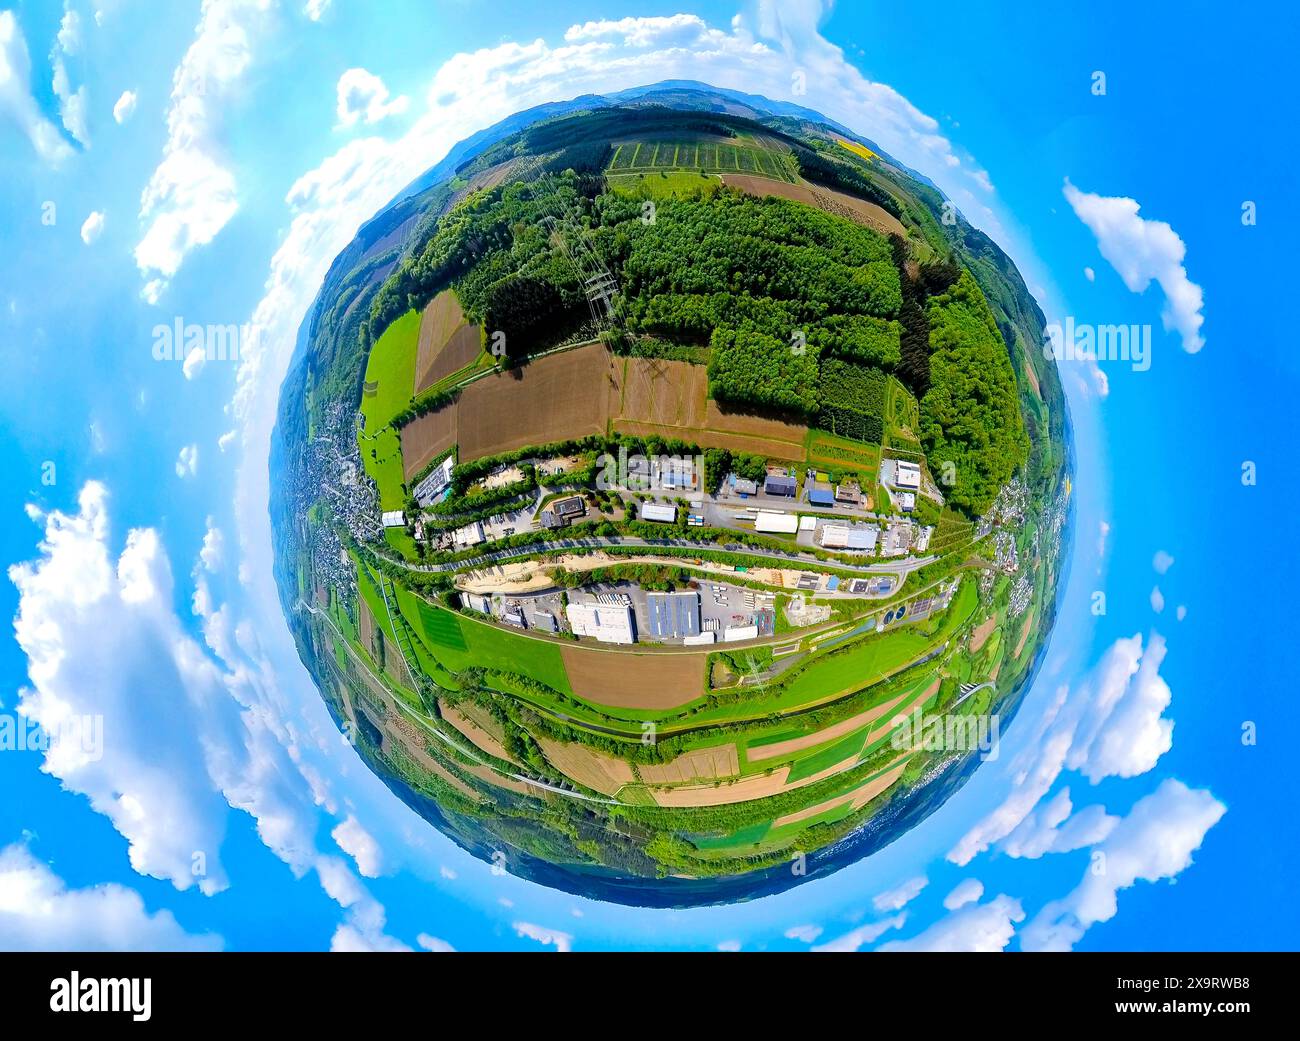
(664, 184)
(744, 155)
(460, 643)
(390, 372)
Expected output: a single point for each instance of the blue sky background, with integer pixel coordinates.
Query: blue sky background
(215, 740)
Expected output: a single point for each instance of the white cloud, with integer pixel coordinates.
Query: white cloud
(1110, 724)
(124, 107)
(432, 943)
(855, 939)
(804, 933)
(192, 194)
(315, 9)
(184, 739)
(69, 36)
(363, 96)
(1156, 840)
(1090, 274)
(1157, 599)
(102, 643)
(447, 873)
(562, 942)
(967, 891)
(73, 104)
(901, 895)
(729, 946)
(361, 846)
(1181, 613)
(212, 555)
(1143, 250)
(16, 100)
(1051, 829)
(1122, 732)
(1162, 562)
(187, 462)
(38, 912)
(974, 927)
(92, 227)
(194, 363)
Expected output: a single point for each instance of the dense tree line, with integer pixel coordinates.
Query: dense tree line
(970, 417)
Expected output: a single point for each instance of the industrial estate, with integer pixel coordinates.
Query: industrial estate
(648, 468)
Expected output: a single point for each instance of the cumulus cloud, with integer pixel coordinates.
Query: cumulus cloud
(1110, 724)
(361, 846)
(92, 227)
(1090, 274)
(212, 555)
(562, 942)
(974, 927)
(1142, 251)
(1157, 599)
(856, 939)
(362, 96)
(194, 363)
(902, 894)
(17, 103)
(124, 107)
(804, 933)
(967, 891)
(1162, 562)
(1051, 829)
(192, 194)
(184, 739)
(187, 462)
(73, 104)
(38, 912)
(432, 943)
(1156, 840)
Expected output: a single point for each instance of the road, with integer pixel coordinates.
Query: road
(902, 568)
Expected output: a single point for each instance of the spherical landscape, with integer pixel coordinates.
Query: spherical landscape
(669, 495)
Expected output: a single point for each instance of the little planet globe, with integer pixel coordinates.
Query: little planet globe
(669, 495)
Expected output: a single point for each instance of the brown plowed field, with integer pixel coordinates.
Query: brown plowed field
(447, 342)
(557, 398)
(827, 199)
(624, 680)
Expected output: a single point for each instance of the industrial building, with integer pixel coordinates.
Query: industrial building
(821, 495)
(842, 536)
(849, 493)
(431, 487)
(743, 486)
(570, 509)
(779, 523)
(740, 632)
(673, 615)
(660, 512)
(907, 475)
(393, 519)
(469, 535)
(608, 623)
(779, 484)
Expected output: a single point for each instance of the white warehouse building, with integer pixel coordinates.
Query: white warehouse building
(782, 523)
(608, 623)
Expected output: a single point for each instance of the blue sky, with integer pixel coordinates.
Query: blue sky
(162, 161)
